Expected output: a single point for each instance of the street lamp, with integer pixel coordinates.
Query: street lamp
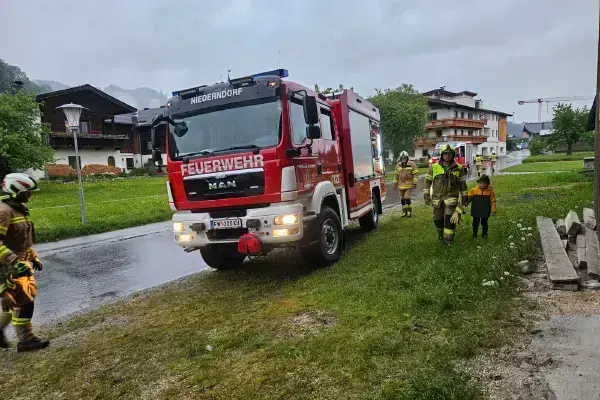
(73, 113)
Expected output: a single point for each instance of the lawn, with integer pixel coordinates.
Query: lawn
(547, 166)
(558, 157)
(387, 321)
(109, 205)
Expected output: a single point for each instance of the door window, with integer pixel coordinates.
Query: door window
(326, 124)
(297, 122)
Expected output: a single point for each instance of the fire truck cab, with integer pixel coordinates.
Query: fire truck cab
(260, 162)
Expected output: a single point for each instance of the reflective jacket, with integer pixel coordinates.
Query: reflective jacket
(406, 175)
(493, 158)
(478, 160)
(17, 235)
(446, 184)
(483, 202)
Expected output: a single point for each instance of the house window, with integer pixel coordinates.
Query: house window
(73, 163)
(84, 126)
(462, 114)
(455, 131)
(470, 116)
(455, 114)
(470, 132)
(129, 163)
(111, 161)
(462, 131)
(438, 133)
(433, 116)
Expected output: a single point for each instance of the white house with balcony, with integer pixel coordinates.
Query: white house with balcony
(460, 117)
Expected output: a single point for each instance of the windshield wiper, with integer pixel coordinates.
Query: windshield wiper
(197, 153)
(243, 147)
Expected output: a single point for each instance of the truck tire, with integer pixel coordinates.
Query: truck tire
(329, 239)
(370, 220)
(222, 256)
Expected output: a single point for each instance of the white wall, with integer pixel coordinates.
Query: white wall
(89, 156)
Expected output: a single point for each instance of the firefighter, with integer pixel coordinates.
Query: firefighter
(493, 160)
(406, 177)
(479, 164)
(18, 260)
(445, 182)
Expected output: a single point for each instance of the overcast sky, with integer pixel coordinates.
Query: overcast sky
(505, 50)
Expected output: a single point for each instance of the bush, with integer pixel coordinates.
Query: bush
(99, 169)
(139, 172)
(558, 157)
(537, 146)
(57, 171)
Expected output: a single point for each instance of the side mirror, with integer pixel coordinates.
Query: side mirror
(157, 157)
(313, 132)
(311, 111)
(158, 118)
(154, 138)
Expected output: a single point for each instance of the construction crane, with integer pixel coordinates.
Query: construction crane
(547, 100)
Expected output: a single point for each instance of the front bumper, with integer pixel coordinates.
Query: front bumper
(193, 230)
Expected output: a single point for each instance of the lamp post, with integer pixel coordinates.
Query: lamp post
(73, 113)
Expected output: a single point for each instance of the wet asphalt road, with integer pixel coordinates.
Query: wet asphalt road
(91, 271)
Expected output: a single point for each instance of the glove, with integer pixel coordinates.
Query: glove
(427, 200)
(20, 269)
(455, 218)
(8, 300)
(37, 264)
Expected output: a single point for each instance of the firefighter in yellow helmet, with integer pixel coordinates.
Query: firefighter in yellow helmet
(18, 260)
(479, 164)
(406, 177)
(445, 183)
(493, 161)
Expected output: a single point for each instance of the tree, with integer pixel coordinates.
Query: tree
(11, 73)
(404, 113)
(22, 136)
(328, 90)
(568, 126)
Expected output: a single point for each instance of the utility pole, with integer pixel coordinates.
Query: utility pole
(597, 130)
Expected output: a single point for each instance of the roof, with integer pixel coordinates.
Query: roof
(125, 119)
(443, 92)
(463, 107)
(145, 116)
(88, 87)
(538, 128)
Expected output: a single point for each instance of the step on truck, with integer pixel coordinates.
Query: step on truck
(261, 162)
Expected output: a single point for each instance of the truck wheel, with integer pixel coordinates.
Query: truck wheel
(222, 256)
(329, 235)
(370, 220)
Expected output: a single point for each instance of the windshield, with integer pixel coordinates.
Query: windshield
(245, 124)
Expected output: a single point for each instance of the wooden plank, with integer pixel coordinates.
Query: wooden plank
(581, 256)
(565, 243)
(560, 269)
(589, 219)
(572, 223)
(560, 227)
(593, 260)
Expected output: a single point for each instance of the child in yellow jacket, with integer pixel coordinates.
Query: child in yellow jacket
(483, 204)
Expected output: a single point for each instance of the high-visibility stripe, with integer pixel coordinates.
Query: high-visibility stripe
(20, 321)
(448, 231)
(4, 251)
(18, 219)
(3, 230)
(2, 287)
(10, 285)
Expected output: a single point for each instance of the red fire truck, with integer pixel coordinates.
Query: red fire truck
(260, 162)
(464, 153)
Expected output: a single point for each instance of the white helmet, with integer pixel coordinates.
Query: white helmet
(403, 154)
(493, 152)
(17, 183)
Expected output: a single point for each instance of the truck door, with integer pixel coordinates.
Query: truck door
(330, 164)
(307, 165)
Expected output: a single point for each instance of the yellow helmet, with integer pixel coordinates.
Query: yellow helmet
(447, 147)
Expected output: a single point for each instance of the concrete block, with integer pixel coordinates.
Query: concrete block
(572, 223)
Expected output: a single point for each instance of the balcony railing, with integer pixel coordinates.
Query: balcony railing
(467, 138)
(426, 142)
(455, 123)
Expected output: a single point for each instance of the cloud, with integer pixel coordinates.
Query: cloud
(505, 50)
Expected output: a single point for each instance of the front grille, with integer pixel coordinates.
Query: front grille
(228, 213)
(240, 184)
(223, 234)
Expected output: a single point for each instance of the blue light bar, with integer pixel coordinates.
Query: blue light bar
(282, 73)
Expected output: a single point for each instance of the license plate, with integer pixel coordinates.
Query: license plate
(226, 224)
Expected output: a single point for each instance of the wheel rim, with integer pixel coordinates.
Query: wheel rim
(330, 237)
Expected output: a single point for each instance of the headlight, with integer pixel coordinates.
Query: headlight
(178, 227)
(184, 238)
(288, 219)
(285, 232)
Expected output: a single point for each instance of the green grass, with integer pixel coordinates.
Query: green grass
(546, 166)
(558, 157)
(109, 205)
(387, 321)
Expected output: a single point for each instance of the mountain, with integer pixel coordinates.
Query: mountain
(139, 98)
(13, 78)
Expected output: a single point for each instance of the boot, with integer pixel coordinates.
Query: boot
(3, 343)
(409, 212)
(27, 340)
(404, 212)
